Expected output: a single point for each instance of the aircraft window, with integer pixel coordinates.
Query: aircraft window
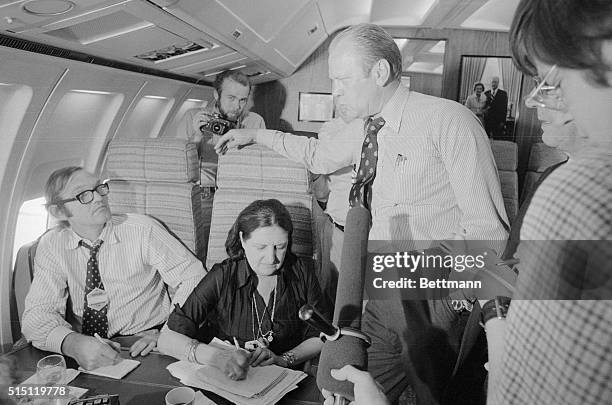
(188, 104)
(79, 125)
(147, 117)
(14, 102)
(31, 223)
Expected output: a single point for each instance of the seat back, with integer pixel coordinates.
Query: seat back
(505, 154)
(255, 173)
(158, 177)
(23, 273)
(541, 157)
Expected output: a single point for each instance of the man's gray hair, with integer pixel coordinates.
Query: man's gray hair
(373, 44)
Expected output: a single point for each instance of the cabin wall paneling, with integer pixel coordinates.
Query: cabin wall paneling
(278, 101)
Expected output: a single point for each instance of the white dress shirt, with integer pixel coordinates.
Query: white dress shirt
(435, 176)
(339, 182)
(137, 257)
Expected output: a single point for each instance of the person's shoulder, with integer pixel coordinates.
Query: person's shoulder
(438, 108)
(576, 197)
(300, 267)
(253, 120)
(136, 222)
(54, 236)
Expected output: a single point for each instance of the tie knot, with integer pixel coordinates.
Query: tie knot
(93, 249)
(374, 125)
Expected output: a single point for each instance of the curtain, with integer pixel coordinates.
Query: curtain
(471, 72)
(512, 82)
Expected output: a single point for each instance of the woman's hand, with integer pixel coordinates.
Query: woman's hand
(233, 363)
(262, 356)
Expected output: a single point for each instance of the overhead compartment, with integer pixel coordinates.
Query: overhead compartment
(277, 34)
(195, 38)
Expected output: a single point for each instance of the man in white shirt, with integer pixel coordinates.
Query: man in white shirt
(435, 179)
(99, 275)
(231, 97)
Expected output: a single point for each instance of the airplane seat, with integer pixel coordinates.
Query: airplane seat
(158, 177)
(254, 173)
(541, 157)
(23, 273)
(505, 154)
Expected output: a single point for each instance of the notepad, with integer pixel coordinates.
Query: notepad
(118, 371)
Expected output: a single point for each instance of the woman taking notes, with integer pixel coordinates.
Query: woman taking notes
(252, 297)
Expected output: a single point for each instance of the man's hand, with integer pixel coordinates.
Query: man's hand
(367, 390)
(234, 139)
(145, 344)
(233, 363)
(89, 352)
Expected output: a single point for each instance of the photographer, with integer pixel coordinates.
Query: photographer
(206, 125)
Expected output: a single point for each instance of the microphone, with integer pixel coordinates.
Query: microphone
(350, 347)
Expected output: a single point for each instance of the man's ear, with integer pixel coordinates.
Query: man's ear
(381, 72)
(216, 95)
(58, 212)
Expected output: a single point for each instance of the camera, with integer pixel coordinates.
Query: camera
(217, 125)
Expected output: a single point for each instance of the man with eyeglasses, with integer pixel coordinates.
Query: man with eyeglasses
(99, 276)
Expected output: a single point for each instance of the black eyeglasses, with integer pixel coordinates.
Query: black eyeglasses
(87, 196)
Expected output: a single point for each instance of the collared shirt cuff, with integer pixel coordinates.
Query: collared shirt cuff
(267, 137)
(56, 338)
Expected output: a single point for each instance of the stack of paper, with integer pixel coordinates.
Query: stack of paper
(264, 385)
(117, 371)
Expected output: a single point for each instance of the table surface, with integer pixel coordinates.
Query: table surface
(149, 382)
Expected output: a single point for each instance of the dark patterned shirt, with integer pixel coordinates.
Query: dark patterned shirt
(223, 301)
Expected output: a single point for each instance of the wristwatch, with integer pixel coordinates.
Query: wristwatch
(495, 308)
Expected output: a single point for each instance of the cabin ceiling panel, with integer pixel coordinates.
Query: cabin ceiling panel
(495, 15)
(393, 12)
(256, 14)
(15, 19)
(189, 36)
(301, 36)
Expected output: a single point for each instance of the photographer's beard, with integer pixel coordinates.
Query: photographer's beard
(235, 115)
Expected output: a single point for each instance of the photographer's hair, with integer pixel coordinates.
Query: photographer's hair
(568, 33)
(55, 185)
(235, 75)
(479, 84)
(258, 214)
(373, 44)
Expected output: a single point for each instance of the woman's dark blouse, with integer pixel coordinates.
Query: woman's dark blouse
(223, 300)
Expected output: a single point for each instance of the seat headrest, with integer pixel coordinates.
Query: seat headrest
(505, 154)
(257, 167)
(160, 159)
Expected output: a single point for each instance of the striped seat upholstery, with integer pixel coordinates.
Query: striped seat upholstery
(505, 154)
(255, 173)
(541, 157)
(158, 177)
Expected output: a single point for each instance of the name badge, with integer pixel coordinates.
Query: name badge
(97, 299)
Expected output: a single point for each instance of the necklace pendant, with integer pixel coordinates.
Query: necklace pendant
(263, 342)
